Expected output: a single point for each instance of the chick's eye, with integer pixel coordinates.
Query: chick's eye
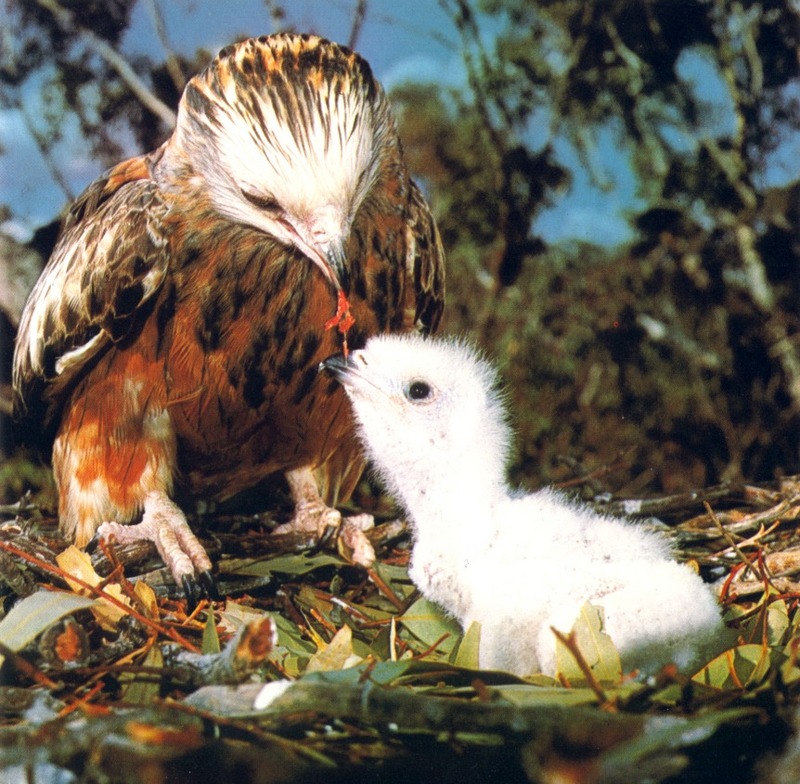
(419, 390)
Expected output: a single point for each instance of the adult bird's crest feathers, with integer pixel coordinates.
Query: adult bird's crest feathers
(299, 132)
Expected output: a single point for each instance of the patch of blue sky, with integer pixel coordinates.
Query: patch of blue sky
(602, 193)
(673, 131)
(539, 128)
(422, 68)
(718, 118)
(697, 70)
(26, 183)
(782, 165)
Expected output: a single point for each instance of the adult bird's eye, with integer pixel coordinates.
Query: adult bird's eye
(262, 202)
(419, 390)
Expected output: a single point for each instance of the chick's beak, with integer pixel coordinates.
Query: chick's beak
(354, 374)
(342, 368)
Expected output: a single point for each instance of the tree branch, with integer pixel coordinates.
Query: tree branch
(67, 23)
(359, 15)
(173, 64)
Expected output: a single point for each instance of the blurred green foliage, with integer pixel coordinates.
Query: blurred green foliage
(670, 362)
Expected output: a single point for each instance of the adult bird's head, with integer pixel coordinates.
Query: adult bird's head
(288, 134)
(425, 407)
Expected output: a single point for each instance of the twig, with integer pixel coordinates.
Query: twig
(26, 668)
(359, 15)
(570, 643)
(787, 589)
(241, 657)
(54, 570)
(788, 509)
(729, 539)
(247, 729)
(646, 507)
(67, 23)
(752, 540)
(83, 703)
(173, 64)
(404, 708)
(428, 651)
(386, 589)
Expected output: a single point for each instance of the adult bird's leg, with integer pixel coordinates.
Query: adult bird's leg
(164, 524)
(313, 515)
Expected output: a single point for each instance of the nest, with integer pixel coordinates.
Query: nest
(313, 665)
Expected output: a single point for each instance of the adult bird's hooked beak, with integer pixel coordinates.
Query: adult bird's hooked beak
(324, 233)
(329, 257)
(336, 261)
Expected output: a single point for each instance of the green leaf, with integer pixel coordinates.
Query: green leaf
(426, 621)
(596, 647)
(767, 621)
(777, 621)
(741, 667)
(290, 563)
(292, 651)
(790, 669)
(397, 577)
(293, 563)
(381, 673)
(467, 651)
(30, 617)
(143, 690)
(290, 637)
(210, 642)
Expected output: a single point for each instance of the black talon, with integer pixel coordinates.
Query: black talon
(209, 585)
(190, 591)
(324, 539)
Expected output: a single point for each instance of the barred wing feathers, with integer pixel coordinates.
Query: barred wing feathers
(110, 260)
(425, 266)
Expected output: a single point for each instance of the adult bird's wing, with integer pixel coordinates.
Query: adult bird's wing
(111, 258)
(425, 267)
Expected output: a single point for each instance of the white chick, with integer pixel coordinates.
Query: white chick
(434, 426)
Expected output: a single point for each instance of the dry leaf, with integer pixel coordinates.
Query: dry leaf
(337, 655)
(77, 563)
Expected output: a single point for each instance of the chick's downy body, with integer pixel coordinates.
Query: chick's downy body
(433, 424)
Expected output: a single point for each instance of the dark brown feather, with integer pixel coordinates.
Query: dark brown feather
(108, 262)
